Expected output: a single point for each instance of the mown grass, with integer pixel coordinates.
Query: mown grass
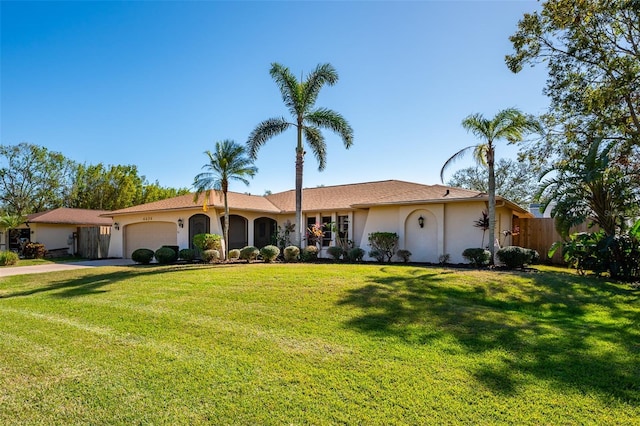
(317, 344)
(34, 262)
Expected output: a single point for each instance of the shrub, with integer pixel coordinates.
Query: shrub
(355, 254)
(405, 255)
(335, 252)
(377, 255)
(174, 248)
(516, 257)
(207, 242)
(598, 252)
(269, 253)
(534, 257)
(142, 255)
(34, 250)
(384, 243)
(211, 255)
(477, 256)
(443, 259)
(165, 255)
(249, 253)
(187, 255)
(291, 253)
(8, 258)
(234, 254)
(309, 254)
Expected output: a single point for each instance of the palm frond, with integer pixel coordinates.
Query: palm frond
(458, 155)
(263, 132)
(329, 119)
(316, 142)
(323, 74)
(290, 88)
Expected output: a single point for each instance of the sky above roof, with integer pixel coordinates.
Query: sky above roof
(155, 84)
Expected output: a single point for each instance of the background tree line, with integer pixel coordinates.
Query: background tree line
(34, 179)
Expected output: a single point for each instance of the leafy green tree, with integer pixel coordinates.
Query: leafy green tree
(516, 181)
(114, 187)
(591, 49)
(32, 178)
(509, 124)
(300, 98)
(228, 162)
(154, 192)
(593, 188)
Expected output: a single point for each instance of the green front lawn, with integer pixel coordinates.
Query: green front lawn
(317, 344)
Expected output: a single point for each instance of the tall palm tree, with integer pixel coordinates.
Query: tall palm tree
(509, 124)
(228, 162)
(300, 98)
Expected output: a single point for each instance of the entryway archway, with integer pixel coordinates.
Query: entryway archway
(422, 242)
(238, 233)
(198, 224)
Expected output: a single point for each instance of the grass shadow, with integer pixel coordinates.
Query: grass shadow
(556, 327)
(97, 283)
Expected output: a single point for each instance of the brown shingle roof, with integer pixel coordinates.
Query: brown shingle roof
(71, 216)
(345, 197)
(237, 201)
(326, 198)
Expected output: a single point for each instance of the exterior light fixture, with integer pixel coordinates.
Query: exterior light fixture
(421, 221)
(181, 223)
(117, 226)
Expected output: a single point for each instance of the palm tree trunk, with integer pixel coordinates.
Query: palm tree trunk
(226, 227)
(299, 162)
(492, 202)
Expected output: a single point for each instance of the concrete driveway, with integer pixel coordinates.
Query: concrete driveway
(53, 267)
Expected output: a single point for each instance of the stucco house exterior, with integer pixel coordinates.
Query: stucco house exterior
(431, 220)
(57, 229)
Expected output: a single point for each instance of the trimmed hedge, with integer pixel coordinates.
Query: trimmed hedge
(335, 252)
(234, 254)
(211, 255)
(269, 253)
(249, 253)
(166, 255)
(309, 254)
(142, 255)
(477, 256)
(356, 254)
(292, 253)
(187, 255)
(516, 257)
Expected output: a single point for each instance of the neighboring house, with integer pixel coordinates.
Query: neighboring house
(58, 229)
(431, 220)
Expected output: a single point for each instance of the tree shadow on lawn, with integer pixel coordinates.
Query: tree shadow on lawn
(96, 283)
(571, 332)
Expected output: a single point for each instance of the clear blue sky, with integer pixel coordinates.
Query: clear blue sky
(155, 84)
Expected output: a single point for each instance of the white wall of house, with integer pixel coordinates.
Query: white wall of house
(448, 228)
(425, 243)
(53, 236)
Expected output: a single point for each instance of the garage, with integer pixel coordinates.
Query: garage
(150, 235)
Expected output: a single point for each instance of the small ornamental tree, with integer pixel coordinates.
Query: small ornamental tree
(207, 242)
(384, 243)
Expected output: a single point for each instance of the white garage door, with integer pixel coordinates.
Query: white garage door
(151, 235)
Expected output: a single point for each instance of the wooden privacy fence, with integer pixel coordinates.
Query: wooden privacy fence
(540, 233)
(93, 242)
